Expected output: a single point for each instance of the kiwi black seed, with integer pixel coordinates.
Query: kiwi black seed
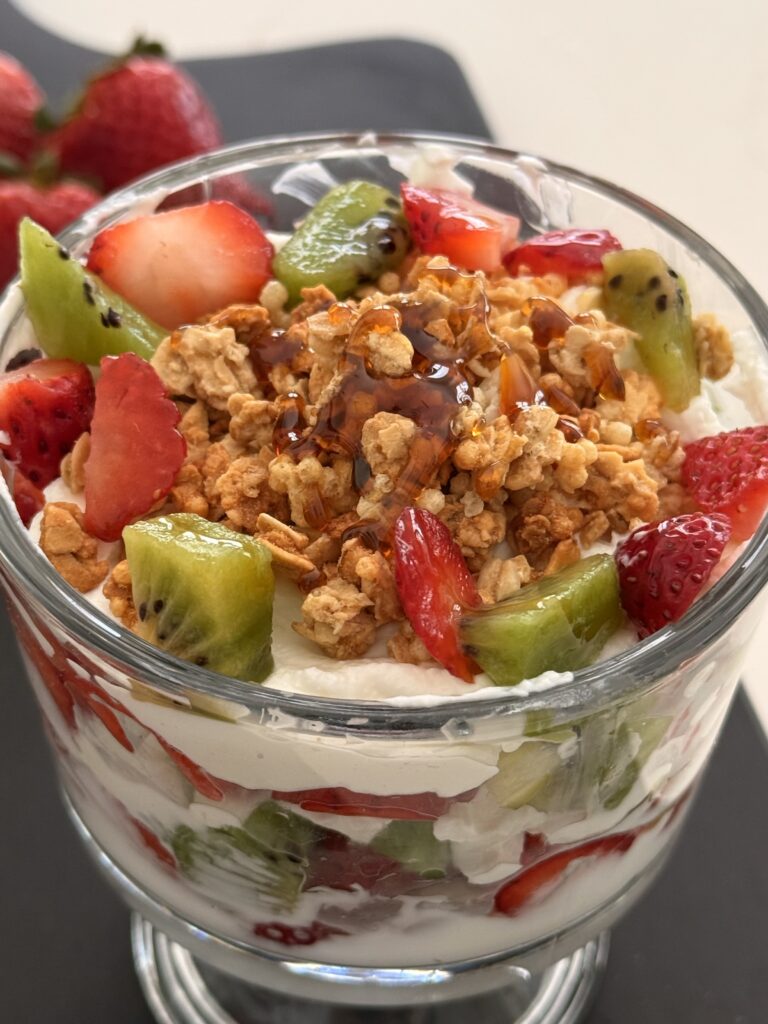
(651, 299)
(203, 593)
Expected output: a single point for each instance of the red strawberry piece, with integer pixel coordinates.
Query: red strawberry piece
(153, 843)
(575, 253)
(434, 585)
(68, 687)
(545, 874)
(51, 677)
(470, 234)
(178, 265)
(664, 566)
(134, 118)
(535, 846)
(27, 498)
(192, 772)
(408, 807)
(338, 863)
(295, 935)
(728, 473)
(54, 207)
(136, 450)
(20, 99)
(44, 407)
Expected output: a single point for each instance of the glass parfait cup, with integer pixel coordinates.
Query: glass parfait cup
(294, 854)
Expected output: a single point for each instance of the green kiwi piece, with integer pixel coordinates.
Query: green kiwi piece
(525, 774)
(203, 593)
(232, 855)
(641, 292)
(353, 234)
(283, 831)
(614, 751)
(413, 843)
(74, 314)
(560, 622)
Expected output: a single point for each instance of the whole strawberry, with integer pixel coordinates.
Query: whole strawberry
(136, 116)
(53, 206)
(664, 566)
(20, 99)
(728, 473)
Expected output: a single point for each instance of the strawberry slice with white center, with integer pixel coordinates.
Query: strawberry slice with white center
(44, 407)
(136, 450)
(435, 586)
(472, 235)
(179, 265)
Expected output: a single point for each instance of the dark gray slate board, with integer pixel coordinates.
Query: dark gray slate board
(693, 951)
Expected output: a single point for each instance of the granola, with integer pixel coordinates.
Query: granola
(72, 552)
(524, 485)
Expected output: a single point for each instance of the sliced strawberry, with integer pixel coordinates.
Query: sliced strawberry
(664, 566)
(27, 498)
(435, 586)
(338, 863)
(545, 874)
(295, 935)
(470, 234)
(409, 807)
(202, 781)
(51, 677)
(178, 265)
(575, 253)
(153, 843)
(728, 473)
(44, 407)
(136, 450)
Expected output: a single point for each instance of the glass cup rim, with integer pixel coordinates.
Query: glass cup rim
(589, 689)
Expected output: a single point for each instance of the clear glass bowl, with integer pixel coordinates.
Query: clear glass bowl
(244, 825)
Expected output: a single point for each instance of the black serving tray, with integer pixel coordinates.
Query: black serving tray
(694, 950)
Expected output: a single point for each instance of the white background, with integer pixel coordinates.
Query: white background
(666, 97)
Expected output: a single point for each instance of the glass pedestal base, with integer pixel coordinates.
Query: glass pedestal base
(182, 990)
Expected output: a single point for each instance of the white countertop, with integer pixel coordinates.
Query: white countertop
(670, 99)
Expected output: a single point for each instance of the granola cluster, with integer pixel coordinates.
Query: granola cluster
(508, 407)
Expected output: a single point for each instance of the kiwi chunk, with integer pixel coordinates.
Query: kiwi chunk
(525, 774)
(614, 750)
(355, 233)
(413, 843)
(641, 292)
(561, 622)
(283, 831)
(231, 856)
(75, 315)
(203, 593)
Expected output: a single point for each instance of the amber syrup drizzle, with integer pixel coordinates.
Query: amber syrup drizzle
(431, 395)
(272, 348)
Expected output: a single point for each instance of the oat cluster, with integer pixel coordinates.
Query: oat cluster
(312, 429)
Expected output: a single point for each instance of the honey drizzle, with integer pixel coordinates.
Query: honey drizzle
(430, 395)
(270, 349)
(289, 422)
